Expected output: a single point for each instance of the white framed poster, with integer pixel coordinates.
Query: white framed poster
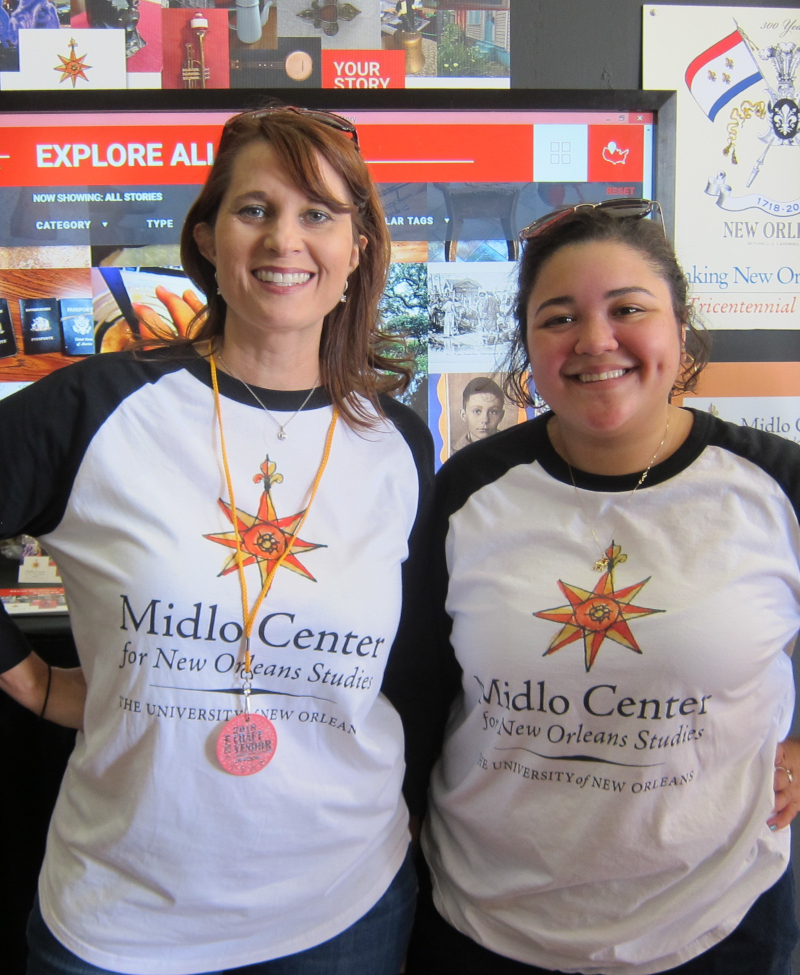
(737, 217)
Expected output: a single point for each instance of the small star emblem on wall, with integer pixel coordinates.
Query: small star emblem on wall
(73, 67)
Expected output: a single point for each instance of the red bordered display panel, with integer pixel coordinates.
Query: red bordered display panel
(93, 194)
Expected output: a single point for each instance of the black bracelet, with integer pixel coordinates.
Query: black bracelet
(47, 692)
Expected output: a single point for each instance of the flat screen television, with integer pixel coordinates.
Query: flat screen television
(94, 188)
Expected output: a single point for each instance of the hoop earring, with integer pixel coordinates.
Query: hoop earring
(343, 299)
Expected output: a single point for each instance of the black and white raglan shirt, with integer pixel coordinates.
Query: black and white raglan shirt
(602, 799)
(158, 861)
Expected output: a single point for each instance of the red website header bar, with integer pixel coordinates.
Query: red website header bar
(450, 153)
(99, 155)
(103, 156)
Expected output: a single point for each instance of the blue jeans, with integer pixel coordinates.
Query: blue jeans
(374, 945)
(762, 944)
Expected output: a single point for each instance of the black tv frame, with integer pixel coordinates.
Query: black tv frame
(663, 104)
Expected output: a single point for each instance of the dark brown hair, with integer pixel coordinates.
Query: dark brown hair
(478, 385)
(352, 359)
(644, 236)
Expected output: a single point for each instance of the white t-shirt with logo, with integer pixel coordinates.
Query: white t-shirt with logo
(602, 799)
(159, 861)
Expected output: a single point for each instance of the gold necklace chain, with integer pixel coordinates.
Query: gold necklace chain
(602, 563)
(249, 616)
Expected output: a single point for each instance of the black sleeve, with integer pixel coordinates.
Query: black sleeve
(411, 681)
(45, 430)
(422, 676)
(777, 456)
(36, 432)
(14, 648)
(444, 674)
(426, 696)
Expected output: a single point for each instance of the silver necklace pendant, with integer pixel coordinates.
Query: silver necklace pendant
(281, 426)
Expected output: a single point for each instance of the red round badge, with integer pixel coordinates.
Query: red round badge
(247, 744)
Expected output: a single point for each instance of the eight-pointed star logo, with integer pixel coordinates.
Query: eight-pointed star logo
(265, 537)
(603, 612)
(73, 67)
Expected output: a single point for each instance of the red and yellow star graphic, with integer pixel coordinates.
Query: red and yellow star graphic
(264, 536)
(603, 612)
(72, 67)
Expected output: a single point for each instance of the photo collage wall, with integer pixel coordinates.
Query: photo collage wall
(372, 44)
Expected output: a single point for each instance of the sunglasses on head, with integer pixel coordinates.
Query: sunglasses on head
(324, 118)
(635, 209)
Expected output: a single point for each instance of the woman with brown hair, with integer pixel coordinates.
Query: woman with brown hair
(617, 588)
(231, 515)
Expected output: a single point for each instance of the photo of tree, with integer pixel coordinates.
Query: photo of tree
(404, 308)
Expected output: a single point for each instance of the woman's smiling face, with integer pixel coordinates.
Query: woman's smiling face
(282, 259)
(603, 340)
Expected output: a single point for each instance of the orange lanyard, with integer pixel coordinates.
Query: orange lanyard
(249, 616)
